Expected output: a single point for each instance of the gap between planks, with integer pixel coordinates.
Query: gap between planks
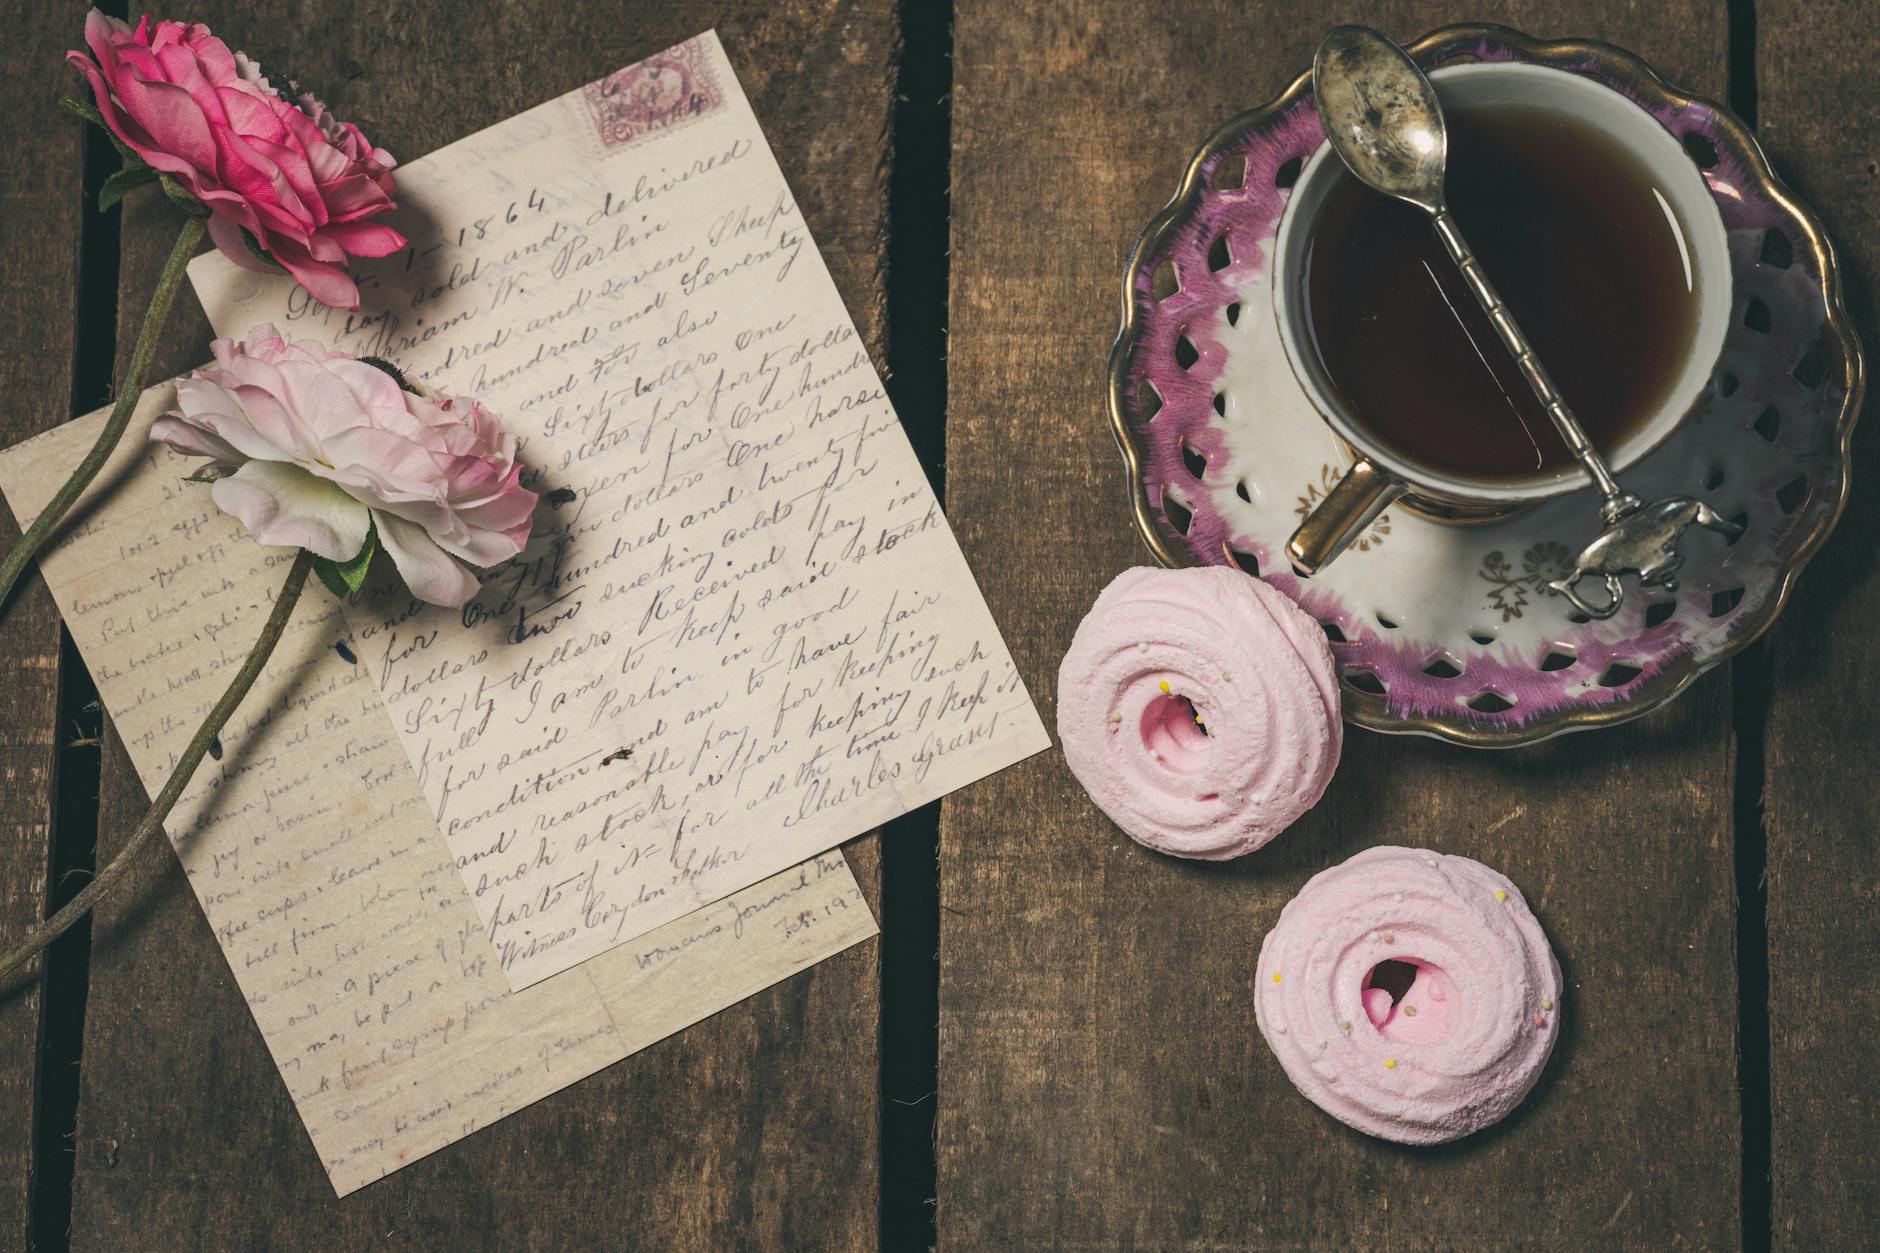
(920, 153)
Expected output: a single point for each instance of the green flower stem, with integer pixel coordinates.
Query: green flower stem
(133, 386)
(55, 926)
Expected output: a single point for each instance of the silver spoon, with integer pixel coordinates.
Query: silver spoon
(1384, 121)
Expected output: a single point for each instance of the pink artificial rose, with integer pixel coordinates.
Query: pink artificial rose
(262, 157)
(314, 447)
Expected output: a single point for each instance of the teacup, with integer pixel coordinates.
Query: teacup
(1381, 474)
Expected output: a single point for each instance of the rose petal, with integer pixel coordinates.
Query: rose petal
(432, 574)
(387, 457)
(364, 239)
(171, 117)
(286, 507)
(509, 507)
(486, 548)
(193, 441)
(204, 402)
(321, 406)
(376, 390)
(325, 282)
(227, 237)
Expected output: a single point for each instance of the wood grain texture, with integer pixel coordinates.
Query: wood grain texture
(1102, 1083)
(756, 1128)
(1818, 117)
(41, 198)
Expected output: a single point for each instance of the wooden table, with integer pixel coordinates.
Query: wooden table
(1707, 875)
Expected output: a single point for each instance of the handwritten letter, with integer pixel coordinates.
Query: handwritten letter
(312, 850)
(743, 632)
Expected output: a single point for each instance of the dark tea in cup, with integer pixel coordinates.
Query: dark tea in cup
(1580, 239)
(1608, 248)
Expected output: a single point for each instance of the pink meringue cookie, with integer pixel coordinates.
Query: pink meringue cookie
(1454, 1052)
(1200, 709)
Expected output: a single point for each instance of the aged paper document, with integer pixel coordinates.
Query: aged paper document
(743, 631)
(313, 852)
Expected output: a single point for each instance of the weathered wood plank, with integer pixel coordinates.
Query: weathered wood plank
(1818, 115)
(755, 1128)
(41, 189)
(1103, 1084)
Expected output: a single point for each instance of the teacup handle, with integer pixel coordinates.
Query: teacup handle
(1347, 509)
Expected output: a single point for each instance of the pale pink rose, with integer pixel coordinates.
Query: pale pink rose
(314, 447)
(264, 157)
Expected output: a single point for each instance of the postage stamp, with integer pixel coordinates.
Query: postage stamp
(667, 90)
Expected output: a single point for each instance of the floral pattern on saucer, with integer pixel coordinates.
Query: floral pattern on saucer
(1452, 630)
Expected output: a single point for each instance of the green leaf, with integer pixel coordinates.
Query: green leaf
(89, 111)
(184, 201)
(205, 474)
(136, 171)
(256, 251)
(343, 578)
(125, 180)
(84, 108)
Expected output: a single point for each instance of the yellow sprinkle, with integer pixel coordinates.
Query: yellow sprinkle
(1547, 1002)
(1500, 895)
(1163, 685)
(1344, 1024)
(1116, 715)
(1390, 1063)
(1276, 976)
(1410, 1011)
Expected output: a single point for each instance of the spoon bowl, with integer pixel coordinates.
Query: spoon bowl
(1381, 115)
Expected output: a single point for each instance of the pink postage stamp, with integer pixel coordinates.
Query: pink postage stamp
(665, 91)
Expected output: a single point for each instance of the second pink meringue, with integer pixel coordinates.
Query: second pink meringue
(1410, 994)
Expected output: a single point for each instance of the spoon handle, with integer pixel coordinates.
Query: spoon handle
(1517, 344)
